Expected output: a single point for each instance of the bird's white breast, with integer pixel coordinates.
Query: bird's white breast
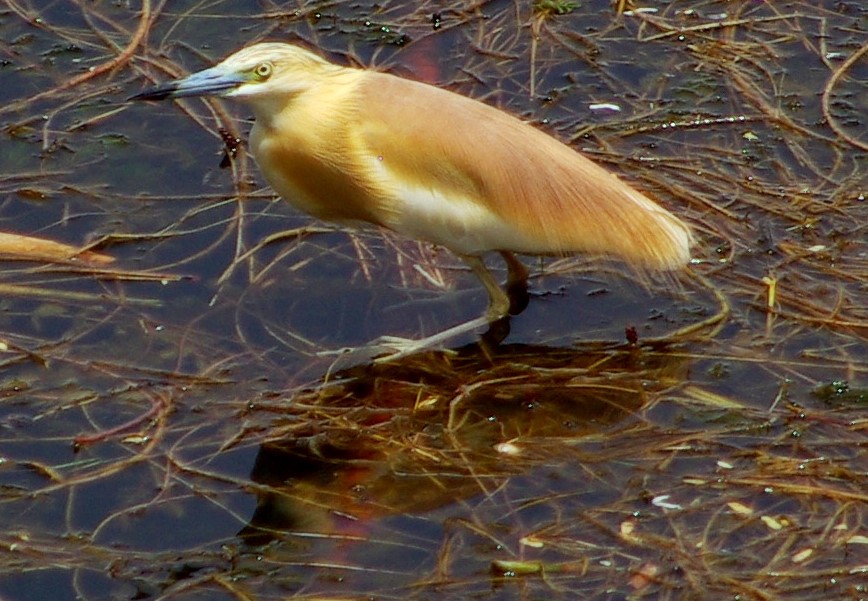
(461, 224)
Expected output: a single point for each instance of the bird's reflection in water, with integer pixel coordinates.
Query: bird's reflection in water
(411, 436)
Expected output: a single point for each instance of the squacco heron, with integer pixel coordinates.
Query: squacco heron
(354, 145)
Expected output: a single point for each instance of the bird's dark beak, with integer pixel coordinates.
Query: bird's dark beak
(204, 83)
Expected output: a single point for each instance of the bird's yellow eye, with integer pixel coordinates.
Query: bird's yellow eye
(262, 71)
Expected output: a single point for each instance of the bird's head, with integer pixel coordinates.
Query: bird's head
(255, 71)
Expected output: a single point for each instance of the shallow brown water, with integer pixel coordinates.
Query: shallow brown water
(725, 461)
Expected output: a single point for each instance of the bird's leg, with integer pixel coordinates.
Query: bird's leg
(496, 316)
(501, 304)
(516, 283)
(498, 300)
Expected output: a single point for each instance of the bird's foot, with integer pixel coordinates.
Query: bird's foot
(392, 348)
(383, 350)
(497, 331)
(403, 347)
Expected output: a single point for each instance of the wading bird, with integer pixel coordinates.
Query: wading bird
(354, 145)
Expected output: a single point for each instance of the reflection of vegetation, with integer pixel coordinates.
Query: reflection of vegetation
(445, 476)
(431, 430)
